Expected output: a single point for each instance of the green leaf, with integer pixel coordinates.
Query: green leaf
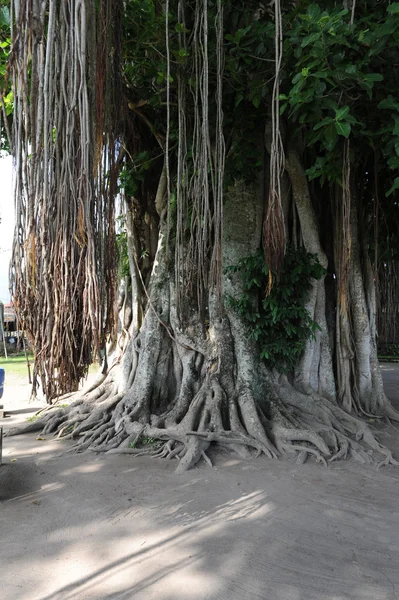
(387, 28)
(330, 135)
(4, 17)
(283, 108)
(331, 104)
(351, 70)
(314, 12)
(239, 34)
(179, 28)
(343, 128)
(320, 74)
(309, 39)
(341, 113)
(393, 9)
(183, 52)
(390, 103)
(394, 187)
(373, 77)
(322, 123)
(351, 119)
(239, 99)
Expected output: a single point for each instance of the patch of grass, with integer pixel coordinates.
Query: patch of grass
(33, 418)
(383, 358)
(147, 441)
(15, 366)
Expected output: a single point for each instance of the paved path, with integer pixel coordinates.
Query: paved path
(83, 527)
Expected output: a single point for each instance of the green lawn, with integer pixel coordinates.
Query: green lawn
(17, 371)
(15, 366)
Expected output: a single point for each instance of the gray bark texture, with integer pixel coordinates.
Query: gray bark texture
(173, 391)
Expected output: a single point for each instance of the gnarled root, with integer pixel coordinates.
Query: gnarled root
(212, 402)
(308, 425)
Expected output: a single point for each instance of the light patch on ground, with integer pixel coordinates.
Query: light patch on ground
(89, 527)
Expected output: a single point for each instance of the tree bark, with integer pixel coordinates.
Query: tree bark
(182, 391)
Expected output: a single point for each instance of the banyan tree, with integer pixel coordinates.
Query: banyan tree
(201, 191)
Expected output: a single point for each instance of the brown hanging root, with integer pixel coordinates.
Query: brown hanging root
(274, 235)
(198, 259)
(63, 264)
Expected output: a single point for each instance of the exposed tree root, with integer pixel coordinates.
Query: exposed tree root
(180, 392)
(291, 423)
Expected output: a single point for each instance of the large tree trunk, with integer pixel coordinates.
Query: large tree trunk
(186, 372)
(176, 390)
(315, 370)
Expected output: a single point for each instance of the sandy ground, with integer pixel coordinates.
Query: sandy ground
(93, 527)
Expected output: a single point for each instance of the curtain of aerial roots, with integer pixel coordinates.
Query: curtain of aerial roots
(388, 309)
(62, 284)
(200, 178)
(274, 236)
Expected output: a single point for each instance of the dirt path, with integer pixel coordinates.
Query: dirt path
(87, 527)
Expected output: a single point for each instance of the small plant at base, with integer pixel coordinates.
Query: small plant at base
(33, 418)
(279, 321)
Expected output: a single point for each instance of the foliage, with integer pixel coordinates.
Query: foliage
(340, 77)
(6, 95)
(338, 81)
(33, 418)
(388, 351)
(133, 174)
(121, 245)
(278, 321)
